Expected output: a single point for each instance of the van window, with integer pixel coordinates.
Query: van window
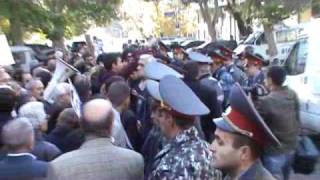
(261, 40)
(296, 61)
(19, 57)
(315, 9)
(286, 36)
(252, 38)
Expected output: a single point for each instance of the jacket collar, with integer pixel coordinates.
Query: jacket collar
(186, 135)
(95, 142)
(254, 170)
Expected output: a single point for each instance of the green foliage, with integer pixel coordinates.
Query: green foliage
(31, 15)
(57, 18)
(70, 17)
(270, 12)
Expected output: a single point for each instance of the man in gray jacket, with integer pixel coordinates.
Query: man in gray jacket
(280, 111)
(98, 158)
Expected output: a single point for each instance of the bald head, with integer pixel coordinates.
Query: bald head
(97, 117)
(96, 109)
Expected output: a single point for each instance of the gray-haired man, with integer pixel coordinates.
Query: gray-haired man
(18, 138)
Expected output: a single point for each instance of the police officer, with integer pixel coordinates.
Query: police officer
(256, 77)
(164, 49)
(237, 74)
(186, 156)
(241, 61)
(205, 76)
(180, 57)
(254, 71)
(156, 70)
(222, 75)
(240, 138)
(206, 83)
(155, 139)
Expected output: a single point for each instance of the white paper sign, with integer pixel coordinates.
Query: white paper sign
(75, 100)
(6, 57)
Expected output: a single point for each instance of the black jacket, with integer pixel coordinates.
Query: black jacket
(65, 138)
(4, 118)
(209, 98)
(44, 150)
(22, 167)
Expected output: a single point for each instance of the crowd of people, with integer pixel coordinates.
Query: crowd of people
(146, 115)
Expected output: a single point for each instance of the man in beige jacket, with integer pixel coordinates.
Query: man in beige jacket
(98, 158)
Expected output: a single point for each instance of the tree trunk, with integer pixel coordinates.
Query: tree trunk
(272, 47)
(58, 43)
(158, 22)
(90, 44)
(16, 31)
(210, 21)
(244, 30)
(212, 30)
(16, 27)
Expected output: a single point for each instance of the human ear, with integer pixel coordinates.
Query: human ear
(245, 153)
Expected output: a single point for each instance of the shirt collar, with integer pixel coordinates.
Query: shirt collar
(21, 154)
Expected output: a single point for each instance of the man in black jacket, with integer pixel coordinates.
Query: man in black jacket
(207, 95)
(8, 100)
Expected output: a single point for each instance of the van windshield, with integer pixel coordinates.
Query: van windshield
(252, 38)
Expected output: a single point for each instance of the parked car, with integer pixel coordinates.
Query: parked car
(285, 37)
(191, 43)
(212, 46)
(24, 57)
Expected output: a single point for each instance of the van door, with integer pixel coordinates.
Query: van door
(303, 83)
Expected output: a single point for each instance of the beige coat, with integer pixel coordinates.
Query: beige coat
(97, 159)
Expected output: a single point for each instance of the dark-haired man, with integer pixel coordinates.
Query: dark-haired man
(119, 95)
(240, 137)
(8, 100)
(280, 110)
(112, 63)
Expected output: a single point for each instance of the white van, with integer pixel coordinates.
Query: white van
(303, 70)
(285, 37)
(24, 57)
